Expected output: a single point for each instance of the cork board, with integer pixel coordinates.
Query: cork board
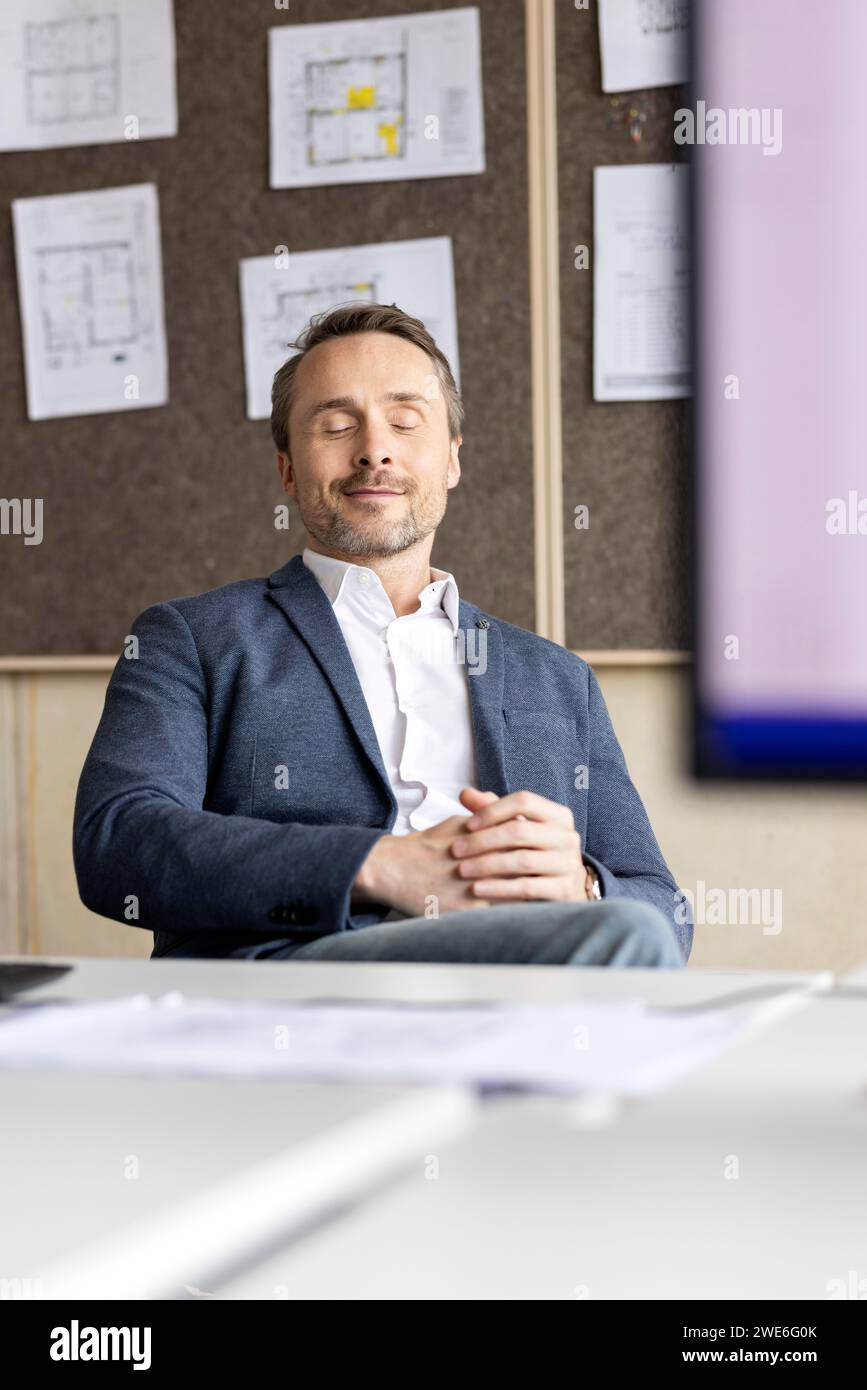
(626, 575)
(154, 504)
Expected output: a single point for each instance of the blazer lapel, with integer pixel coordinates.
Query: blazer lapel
(297, 591)
(485, 678)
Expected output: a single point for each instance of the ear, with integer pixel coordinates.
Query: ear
(287, 473)
(454, 469)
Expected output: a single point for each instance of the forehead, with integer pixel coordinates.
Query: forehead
(363, 360)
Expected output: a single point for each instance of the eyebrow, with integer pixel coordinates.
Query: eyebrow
(349, 403)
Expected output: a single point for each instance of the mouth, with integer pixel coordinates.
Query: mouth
(373, 492)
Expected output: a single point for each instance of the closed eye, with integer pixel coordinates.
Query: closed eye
(342, 429)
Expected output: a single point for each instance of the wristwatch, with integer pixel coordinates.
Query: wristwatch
(591, 884)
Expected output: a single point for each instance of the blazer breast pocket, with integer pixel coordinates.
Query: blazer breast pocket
(544, 754)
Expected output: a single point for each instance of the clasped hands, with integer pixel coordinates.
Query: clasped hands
(521, 847)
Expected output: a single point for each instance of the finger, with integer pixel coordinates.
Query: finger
(539, 888)
(515, 834)
(463, 898)
(474, 799)
(516, 863)
(524, 803)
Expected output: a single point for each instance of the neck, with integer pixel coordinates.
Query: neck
(403, 576)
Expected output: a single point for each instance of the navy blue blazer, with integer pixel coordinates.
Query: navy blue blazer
(179, 827)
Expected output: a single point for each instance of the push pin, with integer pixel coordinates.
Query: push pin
(636, 123)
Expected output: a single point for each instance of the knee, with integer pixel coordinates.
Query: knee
(641, 935)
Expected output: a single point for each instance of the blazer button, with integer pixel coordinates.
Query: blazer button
(482, 622)
(296, 914)
(281, 913)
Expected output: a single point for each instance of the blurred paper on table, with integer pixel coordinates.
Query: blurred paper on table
(642, 278)
(365, 100)
(643, 43)
(280, 294)
(86, 75)
(570, 1049)
(90, 284)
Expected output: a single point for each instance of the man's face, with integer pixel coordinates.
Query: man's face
(371, 461)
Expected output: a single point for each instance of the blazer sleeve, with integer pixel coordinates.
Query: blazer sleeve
(620, 843)
(144, 849)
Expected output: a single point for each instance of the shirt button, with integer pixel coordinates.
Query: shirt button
(364, 577)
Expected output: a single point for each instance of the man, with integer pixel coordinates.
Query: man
(348, 761)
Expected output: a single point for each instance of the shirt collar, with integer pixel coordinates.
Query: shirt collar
(441, 592)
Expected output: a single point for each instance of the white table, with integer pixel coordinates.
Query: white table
(229, 979)
(168, 1180)
(532, 1199)
(529, 1205)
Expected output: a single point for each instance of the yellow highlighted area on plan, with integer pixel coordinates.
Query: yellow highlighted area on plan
(388, 133)
(359, 97)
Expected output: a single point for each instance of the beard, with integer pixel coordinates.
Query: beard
(375, 534)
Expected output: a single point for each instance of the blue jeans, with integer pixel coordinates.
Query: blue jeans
(619, 932)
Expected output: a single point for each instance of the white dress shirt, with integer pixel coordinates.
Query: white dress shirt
(415, 685)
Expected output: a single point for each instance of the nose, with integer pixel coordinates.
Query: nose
(373, 444)
(371, 455)
(372, 458)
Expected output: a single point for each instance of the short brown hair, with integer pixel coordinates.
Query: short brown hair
(359, 318)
